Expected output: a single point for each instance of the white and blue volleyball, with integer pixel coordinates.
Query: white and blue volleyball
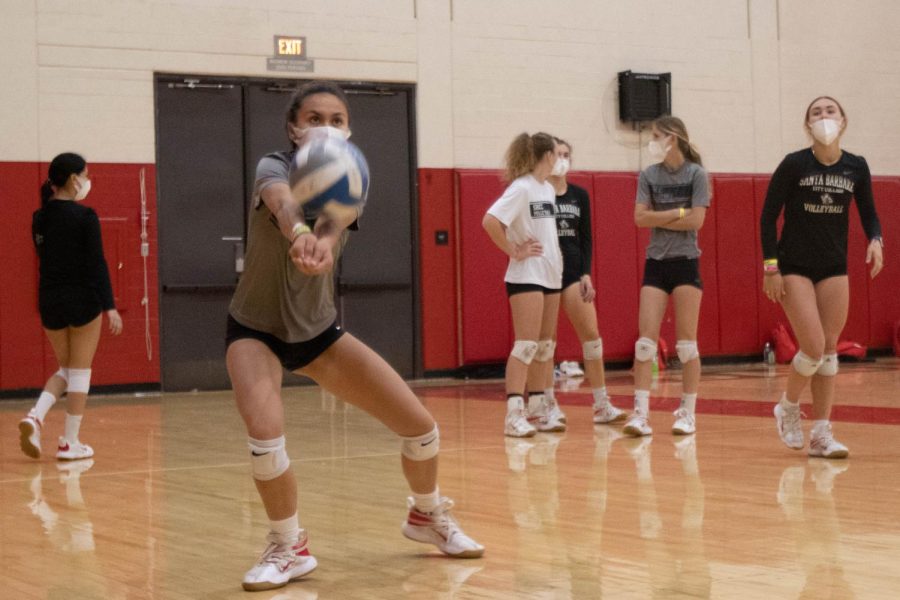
(329, 174)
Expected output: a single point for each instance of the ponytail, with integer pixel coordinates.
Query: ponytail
(524, 153)
(46, 192)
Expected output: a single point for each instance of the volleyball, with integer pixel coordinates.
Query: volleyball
(329, 173)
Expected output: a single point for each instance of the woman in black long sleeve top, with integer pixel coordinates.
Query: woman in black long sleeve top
(74, 290)
(806, 270)
(573, 223)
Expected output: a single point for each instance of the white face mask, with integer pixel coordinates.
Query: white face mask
(83, 191)
(657, 150)
(560, 167)
(826, 130)
(297, 134)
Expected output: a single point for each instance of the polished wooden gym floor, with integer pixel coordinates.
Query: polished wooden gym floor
(167, 508)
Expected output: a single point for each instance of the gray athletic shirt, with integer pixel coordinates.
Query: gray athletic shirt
(272, 295)
(661, 189)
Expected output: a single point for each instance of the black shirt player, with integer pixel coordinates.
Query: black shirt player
(806, 270)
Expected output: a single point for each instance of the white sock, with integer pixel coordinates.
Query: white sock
(43, 404)
(534, 402)
(642, 401)
(601, 398)
(73, 424)
(550, 395)
(787, 403)
(288, 529)
(514, 402)
(819, 425)
(689, 402)
(427, 502)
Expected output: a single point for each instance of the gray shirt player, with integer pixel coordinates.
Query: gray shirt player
(661, 189)
(272, 295)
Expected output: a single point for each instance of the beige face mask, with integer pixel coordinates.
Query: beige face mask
(657, 150)
(826, 130)
(83, 191)
(298, 134)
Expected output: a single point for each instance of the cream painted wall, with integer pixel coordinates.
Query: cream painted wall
(78, 75)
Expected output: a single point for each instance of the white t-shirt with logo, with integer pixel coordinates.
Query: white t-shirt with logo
(528, 210)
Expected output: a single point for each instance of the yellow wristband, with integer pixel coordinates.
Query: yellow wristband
(298, 230)
(681, 213)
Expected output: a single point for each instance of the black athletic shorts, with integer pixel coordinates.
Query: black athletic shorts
(292, 356)
(814, 274)
(573, 269)
(520, 288)
(669, 273)
(68, 307)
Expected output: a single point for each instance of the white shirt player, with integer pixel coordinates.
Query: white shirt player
(528, 210)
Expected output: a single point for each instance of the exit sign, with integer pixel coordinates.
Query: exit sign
(290, 55)
(290, 47)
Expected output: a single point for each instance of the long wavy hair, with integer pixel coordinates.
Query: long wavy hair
(525, 152)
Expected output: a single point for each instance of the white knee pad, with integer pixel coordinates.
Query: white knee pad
(805, 365)
(79, 381)
(686, 350)
(829, 366)
(644, 349)
(524, 350)
(268, 458)
(545, 350)
(63, 374)
(593, 350)
(421, 447)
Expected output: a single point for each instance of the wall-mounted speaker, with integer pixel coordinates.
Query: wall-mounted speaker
(644, 96)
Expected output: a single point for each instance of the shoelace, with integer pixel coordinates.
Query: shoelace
(682, 413)
(791, 419)
(823, 437)
(444, 520)
(279, 554)
(520, 415)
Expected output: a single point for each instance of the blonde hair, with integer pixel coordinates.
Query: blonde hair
(674, 126)
(524, 153)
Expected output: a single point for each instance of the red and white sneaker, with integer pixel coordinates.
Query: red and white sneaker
(73, 450)
(822, 443)
(438, 527)
(30, 435)
(543, 419)
(554, 412)
(607, 413)
(280, 564)
(638, 425)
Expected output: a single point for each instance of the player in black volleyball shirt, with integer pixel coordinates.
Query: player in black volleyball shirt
(74, 290)
(573, 225)
(806, 270)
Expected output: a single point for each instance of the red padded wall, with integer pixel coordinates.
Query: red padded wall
(884, 299)
(616, 257)
(486, 327)
(21, 337)
(437, 265)
(708, 325)
(736, 255)
(857, 327)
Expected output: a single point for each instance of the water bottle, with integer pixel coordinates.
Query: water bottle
(768, 354)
